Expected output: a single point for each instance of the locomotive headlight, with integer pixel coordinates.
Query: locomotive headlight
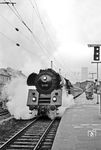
(44, 78)
(54, 99)
(34, 99)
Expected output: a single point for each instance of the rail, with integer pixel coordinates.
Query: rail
(43, 136)
(5, 145)
(32, 136)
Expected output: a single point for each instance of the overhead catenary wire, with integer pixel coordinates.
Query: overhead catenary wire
(41, 21)
(33, 35)
(16, 28)
(6, 21)
(46, 31)
(16, 43)
(38, 14)
(11, 40)
(44, 28)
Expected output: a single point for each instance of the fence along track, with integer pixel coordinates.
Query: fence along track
(30, 137)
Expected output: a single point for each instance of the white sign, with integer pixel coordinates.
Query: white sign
(92, 133)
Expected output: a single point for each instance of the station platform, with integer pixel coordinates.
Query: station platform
(80, 128)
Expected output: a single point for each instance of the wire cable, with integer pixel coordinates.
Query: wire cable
(45, 30)
(33, 35)
(17, 44)
(17, 29)
(11, 40)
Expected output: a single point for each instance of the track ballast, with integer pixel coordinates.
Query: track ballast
(39, 134)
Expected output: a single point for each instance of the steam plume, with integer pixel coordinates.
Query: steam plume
(67, 102)
(16, 92)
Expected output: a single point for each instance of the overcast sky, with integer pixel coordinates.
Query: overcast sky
(61, 30)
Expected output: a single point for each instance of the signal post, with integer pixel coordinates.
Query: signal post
(96, 59)
(97, 82)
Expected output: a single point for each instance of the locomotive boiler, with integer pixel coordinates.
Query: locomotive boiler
(45, 95)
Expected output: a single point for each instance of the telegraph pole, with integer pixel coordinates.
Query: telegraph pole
(96, 60)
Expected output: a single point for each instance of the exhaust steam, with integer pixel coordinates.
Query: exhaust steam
(67, 102)
(16, 92)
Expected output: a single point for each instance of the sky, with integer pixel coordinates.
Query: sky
(60, 31)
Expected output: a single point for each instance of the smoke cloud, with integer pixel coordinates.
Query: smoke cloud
(67, 102)
(16, 91)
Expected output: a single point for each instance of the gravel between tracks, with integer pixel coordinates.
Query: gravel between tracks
(9, 126)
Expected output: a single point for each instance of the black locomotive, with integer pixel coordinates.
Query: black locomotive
(46, 92)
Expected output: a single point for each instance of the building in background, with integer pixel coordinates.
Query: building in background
(84, 73)
(4, 78)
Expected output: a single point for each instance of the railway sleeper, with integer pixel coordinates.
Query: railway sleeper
(45, 146)
(47, 140)
(47, 143)
(1, 143)
(27, 140)
(21, 146)
(48, 147)
(30, 136)
(35, 134)
(17, 149)
(25, 143)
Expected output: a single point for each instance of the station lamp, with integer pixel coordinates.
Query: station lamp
(96, 53)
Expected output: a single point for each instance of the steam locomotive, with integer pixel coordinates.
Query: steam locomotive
(46, 92)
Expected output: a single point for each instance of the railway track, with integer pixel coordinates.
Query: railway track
(37, 135)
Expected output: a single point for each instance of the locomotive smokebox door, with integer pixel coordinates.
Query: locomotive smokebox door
(33, 96)
(56, 97)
